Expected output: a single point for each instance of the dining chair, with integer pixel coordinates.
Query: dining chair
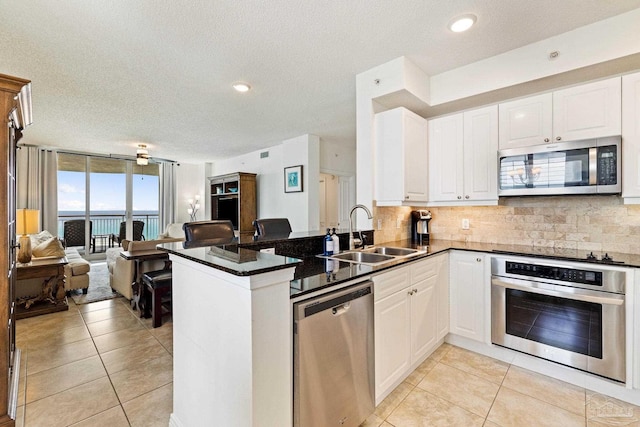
(74, 233)
(138, 227)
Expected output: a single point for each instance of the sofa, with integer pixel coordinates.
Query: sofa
(121, 270)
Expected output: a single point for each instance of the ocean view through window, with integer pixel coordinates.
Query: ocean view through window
(97, 188)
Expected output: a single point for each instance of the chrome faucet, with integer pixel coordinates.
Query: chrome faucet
(352, 244)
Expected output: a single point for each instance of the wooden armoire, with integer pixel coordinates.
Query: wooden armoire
(15, 106)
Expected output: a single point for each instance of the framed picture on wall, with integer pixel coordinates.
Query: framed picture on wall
(293, 179)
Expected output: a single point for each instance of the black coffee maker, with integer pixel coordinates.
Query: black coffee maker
(420, 227)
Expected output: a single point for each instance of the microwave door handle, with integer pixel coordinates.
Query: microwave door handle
(532, 287)
(593, 166)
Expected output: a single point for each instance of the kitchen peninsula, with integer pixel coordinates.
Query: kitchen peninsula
(232, 320)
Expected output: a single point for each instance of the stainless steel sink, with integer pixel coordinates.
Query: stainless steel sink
(386, 250)
(363, 257)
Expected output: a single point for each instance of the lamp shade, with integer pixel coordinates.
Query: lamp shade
(27, 221)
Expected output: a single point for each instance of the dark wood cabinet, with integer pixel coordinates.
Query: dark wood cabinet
(233, 197)
(15, 106)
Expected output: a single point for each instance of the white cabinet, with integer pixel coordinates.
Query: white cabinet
(586, 111)
(442, 296)
(463, 158)
(631, 138)
(526, 121)
(401, 155)
(467, 287)
(406, 311)
(392, 319)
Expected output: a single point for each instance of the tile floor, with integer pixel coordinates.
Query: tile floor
(97, 364)
(100, 365)
(456, 387)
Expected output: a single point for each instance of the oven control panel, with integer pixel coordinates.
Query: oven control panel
(572, 275)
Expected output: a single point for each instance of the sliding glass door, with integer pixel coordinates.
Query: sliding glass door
(112, 198)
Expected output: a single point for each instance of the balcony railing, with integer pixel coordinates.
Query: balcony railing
(110, 224)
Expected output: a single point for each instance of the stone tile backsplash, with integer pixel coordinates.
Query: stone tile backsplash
(595, 223)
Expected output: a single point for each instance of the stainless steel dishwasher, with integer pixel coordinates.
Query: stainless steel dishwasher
(333, 358)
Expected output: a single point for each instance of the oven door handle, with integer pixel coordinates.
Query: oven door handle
(535, 289)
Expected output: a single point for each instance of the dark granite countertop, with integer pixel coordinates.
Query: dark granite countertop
(311, 274)
(314, 273)
(231, 258)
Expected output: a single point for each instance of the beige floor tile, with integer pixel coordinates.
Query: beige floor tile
(114, 324)
(386, 424)
(460, 388)
(439, 352)
(47, 358)
(138, 353)
(490, 424)
(482, 366)
(100, 305)
(61, 319)
(143, 377)
(113, 417)
(151, 409)
(547, 389)
(419, 373)
(51, 338)
(71, 406)
(372, 421)
(105, 313)
(603, 410)
(425, 409)
(52, 381)
(22, 380)
(393, 400)
(122, 338)
(20, 416)
(516, 409)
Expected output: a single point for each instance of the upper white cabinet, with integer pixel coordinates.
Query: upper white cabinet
(526, 122)
(587, 111)
(468, 302)
(463, 158)
(401, 155)
(631, 138)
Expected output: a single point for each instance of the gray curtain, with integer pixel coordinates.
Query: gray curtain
(167, 194)
(37, 184)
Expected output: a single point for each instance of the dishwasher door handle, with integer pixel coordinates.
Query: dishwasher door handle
(341, 309)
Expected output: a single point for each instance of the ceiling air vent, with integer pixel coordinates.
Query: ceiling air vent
(264, 154)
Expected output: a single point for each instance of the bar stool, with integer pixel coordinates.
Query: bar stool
(158, 292)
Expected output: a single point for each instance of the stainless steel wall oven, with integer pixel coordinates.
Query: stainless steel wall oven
(569, 313)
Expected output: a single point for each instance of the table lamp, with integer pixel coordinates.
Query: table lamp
(27, 222)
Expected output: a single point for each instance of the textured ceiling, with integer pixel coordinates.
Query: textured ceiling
(109, 75)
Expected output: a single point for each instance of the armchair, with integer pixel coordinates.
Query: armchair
(74, 232)
(138, 227)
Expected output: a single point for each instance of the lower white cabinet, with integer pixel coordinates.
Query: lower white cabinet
(406, 304)
(467, 286)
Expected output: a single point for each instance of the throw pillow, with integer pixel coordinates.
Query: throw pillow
(40, 237)
(49, 248)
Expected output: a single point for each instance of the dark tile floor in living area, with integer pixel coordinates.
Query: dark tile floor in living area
(99, 364)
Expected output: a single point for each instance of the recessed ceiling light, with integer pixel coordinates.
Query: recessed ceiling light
(462, 23)
(241, 86)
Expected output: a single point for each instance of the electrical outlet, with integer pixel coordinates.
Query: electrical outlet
(379, 224)
(465, 224)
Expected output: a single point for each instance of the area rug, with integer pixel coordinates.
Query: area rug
(99, 288)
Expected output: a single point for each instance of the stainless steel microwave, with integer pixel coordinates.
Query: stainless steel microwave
(590, 166)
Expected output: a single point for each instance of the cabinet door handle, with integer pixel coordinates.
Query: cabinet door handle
(406, 197)
(459, 197)
(478, 259)
(546, 140)
(466, 197)
(558, 138)
(410, 292)
(415, 291)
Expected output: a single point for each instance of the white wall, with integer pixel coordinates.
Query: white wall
(301, 208)
(190, 180)
(337, 159)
